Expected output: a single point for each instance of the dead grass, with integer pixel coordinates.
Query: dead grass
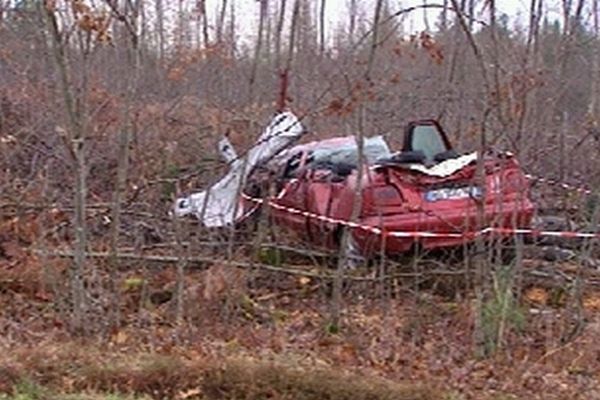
(78, 369)
(159, 376)
(243, 379)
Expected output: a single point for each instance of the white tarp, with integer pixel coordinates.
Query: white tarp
(218, 205)
(227, 151)
(445, 168)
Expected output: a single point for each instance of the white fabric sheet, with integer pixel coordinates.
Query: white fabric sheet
(216, 206)
(445, 168)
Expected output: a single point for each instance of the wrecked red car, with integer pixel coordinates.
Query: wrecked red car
(426, 187)
(426, 193)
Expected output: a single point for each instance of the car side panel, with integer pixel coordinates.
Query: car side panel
(292, 196)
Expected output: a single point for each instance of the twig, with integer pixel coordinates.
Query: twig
(204, 262)
(201, 262)
(197, 262)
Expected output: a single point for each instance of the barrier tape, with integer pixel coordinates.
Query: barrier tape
(470, 235)
(563, 185)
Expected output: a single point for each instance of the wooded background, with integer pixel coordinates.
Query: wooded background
(110, 109)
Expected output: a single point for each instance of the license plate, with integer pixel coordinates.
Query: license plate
(453, 193)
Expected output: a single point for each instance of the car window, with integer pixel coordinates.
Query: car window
(374, 148)
(428, 139)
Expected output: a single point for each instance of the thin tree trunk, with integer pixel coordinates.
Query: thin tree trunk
(593, 105)
(76, 135)
(566, 6)
(182, 261)
(278, 33)
(577, 17)
(374, 44)
(160, 30)
(496, 65)
(471, 12)
(198, 29)
(575, 321)
(322, 27)
(221, 21)
(444, 17)
(476, 51)
(345, 241)
(181, 25)
(481, 270)
(530, 58)
(425, 17)
(268, 37)
(232, 30)
(133, 63)
(293, 34)
(565, 55)
(143, 27)
(258, 47)
(352, 27)
(204, 16)
(561, 145)
(479, 260)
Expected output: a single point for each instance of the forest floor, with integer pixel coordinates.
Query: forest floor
(257, 334)
(264, 335)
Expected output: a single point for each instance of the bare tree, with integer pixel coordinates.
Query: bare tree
(444, 16)
(322, 27)
(160, 18)
(203, 19)
(426, 16)
(353, 15)
(471, 12)
(593, 108)
(293, 35)
(375, 38)
(264, 6)
(346, 238)
(232, 29)
(279, 33)
(221, 21)
(75, 140)
(530, 58)
(182, 28)
(129, 15)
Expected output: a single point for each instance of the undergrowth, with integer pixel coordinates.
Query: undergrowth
(66, 373)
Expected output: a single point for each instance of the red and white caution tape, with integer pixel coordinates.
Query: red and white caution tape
(469, 235)
(540, 233)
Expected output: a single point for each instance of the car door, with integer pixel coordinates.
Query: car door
(320, 191)
(290, 204)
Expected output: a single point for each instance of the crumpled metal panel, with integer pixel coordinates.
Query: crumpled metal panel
(218, 205)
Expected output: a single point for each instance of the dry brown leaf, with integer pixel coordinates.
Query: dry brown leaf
(592, 303)
(186, 394)
(537, 295)
(304, 280)
(120, 338)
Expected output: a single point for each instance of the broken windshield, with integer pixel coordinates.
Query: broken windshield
(374, 148)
